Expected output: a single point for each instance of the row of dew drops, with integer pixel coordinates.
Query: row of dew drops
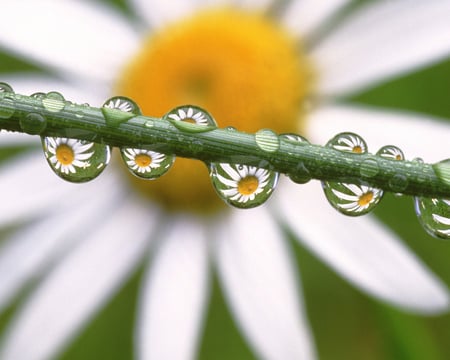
(241, 186)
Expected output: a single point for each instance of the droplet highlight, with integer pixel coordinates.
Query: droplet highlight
(146, 164)
(352, 199)
(243, 186)
(76, 160)
(434, 216)
(267, 140)
(53, 101)
(5, 88)
(119, 109)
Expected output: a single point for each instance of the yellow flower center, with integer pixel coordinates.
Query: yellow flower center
(241, 67)
(65, 154)
(142, 160)
(248, 185)
(365, 199)
(357, 149)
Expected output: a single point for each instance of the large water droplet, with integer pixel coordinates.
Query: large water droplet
(53, 101)
(267, 140)
(391, 152)
(146, 164)
(76, 160)
(301, 174)
(4, 87)
(119, 109)
(369, 168)
(191, 118)
(33, 123)
(434, 215)
(243, 186)
(352, 199)
(348, 142)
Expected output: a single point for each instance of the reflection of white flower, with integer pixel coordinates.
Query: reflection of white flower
(350, 143)
(190, 115)
(248, 249)
(243, 183)
(358, 198)
(68, 154)
(143, 161)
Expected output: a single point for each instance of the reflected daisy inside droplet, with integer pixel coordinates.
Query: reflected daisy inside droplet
(241, 67)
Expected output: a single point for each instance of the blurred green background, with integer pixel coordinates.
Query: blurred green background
(346, 323)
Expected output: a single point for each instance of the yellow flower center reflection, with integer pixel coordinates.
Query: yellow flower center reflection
(64, 154)
(241, 67)
(365, 199)
(248, 185)
(142, 160)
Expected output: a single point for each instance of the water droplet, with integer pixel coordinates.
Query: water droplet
(38, 95)
(398, 183)
(293, 138)
(348, 142)
(33, 123)
(243, 186)
(76, 160)
(369, 168)
(267, 140)
(442, 170)
(391, 152)
(53, 101)
(230, 128)
(8, 107)
(434, 215)
(4, 87)
(352, 199)
(119, 109)
(191, 118)
(146, 164)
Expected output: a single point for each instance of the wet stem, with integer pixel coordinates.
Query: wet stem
(53, 116)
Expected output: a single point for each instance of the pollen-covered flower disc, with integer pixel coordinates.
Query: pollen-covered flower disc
(434, 215)
(75, 160)
(146, 164)
(243, 186)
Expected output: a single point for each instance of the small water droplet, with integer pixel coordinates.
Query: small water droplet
(4, 87)
(53, 101)
(8, 107)
(294, 138)
(75, 160)
(442, 171)
(391, 152)
(243, 186)
(230, 128)
(38, 95)
(191, 119)
(352, 199)
(434, 215)
(33, 123)
(348, 142)
(146, 164)
(369, 168)
(398, 183)
(267, 140)
(119, 109)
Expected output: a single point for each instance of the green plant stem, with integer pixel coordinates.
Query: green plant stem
(210, 144)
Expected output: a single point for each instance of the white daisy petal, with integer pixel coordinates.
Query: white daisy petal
(304, 17)
(32, 250)
(416, 135)
(362, 250)
(29, 188)
(27, 84)
(78, 37)
(382, 40)
(160, 12)
(260, 283)
(174, 294)
(81, 283)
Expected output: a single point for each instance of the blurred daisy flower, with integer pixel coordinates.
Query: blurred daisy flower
(253, 64)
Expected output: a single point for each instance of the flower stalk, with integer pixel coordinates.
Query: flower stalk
(51, 115)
